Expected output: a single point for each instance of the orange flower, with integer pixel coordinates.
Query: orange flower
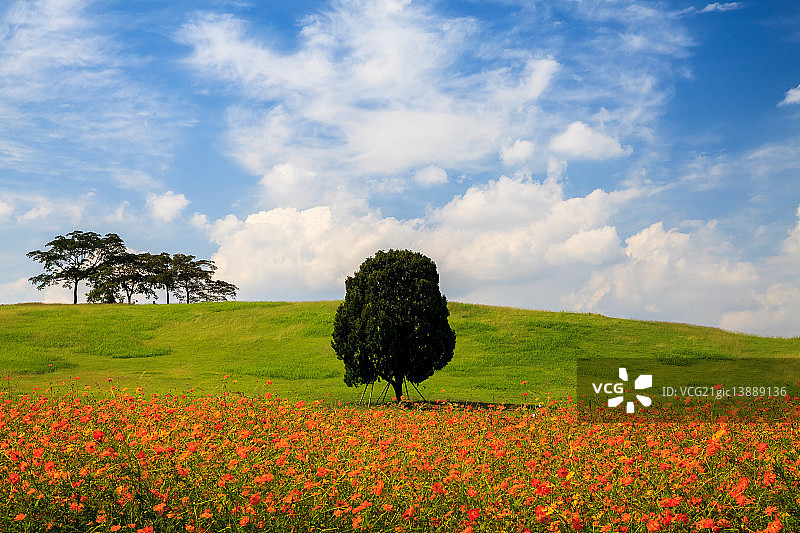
(471, 492)
(20, 517)
(115, 528)
(705, 523)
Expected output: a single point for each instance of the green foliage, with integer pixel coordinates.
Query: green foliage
(121, 276)
(115, 274)
(393, 324)
(74, 258)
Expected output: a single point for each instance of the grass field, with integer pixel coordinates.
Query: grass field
(180, 348)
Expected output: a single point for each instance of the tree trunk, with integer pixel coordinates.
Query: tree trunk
(75, 292)
(398, 387)
(166, 290)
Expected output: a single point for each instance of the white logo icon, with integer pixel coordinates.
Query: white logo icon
(645, 381)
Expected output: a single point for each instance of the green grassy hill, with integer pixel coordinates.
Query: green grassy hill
(178, 348)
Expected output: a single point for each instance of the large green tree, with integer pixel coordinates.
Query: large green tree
(75, 257)
(122, 276)
(393, 323)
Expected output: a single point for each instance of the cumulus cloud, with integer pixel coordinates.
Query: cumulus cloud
(775, 314)
(165, 207)
(792, 96)
(668, 274)
(518, 152)
(286, 252)
(510, 228)
(579, 141)
(17, 291)
(430, 175)
(593, 246)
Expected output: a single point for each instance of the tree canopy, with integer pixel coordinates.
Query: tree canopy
(113, 273)
(393, 323)
(74, 258)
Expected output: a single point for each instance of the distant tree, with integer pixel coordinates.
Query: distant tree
(160, 272)
(74, 258)
(393, 323)
(194, 283)
(122, 275)
(191, 276)
(217, 290)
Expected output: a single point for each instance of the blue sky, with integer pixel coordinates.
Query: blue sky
(635, 159)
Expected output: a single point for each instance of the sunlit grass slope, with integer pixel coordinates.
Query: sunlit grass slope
(180, 348)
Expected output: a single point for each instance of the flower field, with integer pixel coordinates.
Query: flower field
(140, 464)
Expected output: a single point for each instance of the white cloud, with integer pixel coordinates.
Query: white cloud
(135, 180)
(792, 96)
(62, 72)
(722, 7)
(167, 206)
(5, 209)
(520, 151)
(581, 142)
(776, 313)
(594, 246)
(670, 275)
(285, 252)
(369, 89)
(18, 291)
(199, 220)
(430, 175)
(36, 213)
(508, 229)
(289, 184)
(704, 172)
(120, 214)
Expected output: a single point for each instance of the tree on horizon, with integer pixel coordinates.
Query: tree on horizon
(74, 258)
(114, 273)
